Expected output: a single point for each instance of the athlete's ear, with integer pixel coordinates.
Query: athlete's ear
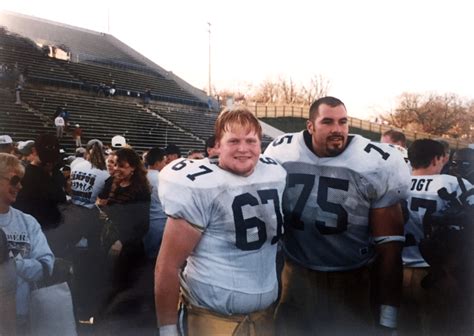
(218, 144)
(437, 161)
(310, 126)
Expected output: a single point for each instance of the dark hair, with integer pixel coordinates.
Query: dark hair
(138, 181)
(397, 137)
(210, 143)
(154, 155)
(421, 152)
(328, 100)
(195, 151)
(445, 144)
(172, 149)
(47, 147)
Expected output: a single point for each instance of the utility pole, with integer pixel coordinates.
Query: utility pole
(209, 81)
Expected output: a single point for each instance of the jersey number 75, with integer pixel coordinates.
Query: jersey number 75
(325, 183)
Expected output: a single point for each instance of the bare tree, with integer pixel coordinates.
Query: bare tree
(288, 93)
(281, 91)
(318, 87)
(266, 93)
(437, 114)
(405, 113)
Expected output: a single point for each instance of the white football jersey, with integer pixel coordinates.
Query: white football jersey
(423, 200)
(328, 199)
(240, 218)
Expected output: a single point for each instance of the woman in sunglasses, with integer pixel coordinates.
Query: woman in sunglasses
(26, 243)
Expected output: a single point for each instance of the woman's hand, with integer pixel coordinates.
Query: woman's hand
(115, 249)
(101, 201)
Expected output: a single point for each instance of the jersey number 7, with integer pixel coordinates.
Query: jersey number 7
(417, 204)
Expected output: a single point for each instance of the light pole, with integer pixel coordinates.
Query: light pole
(209, 79)
(108, 20)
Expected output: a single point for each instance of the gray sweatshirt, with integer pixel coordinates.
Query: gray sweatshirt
(29, 248)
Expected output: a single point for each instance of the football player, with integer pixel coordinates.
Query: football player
(224, 220)
(394, 137)
(342, 218)
(427, 159)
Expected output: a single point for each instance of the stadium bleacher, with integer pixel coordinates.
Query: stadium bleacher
(19, 51)
(174, 115)
(104, 117)
(127, 80)
(17, 121)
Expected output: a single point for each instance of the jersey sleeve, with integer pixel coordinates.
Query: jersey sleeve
(185, 197)
(279, 146)
(391, 178)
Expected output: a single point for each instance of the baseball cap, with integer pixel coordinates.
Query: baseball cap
(26, 147)
(118, 141)
(80, 151)
(69, 159)
(5, 140)
(92, 142)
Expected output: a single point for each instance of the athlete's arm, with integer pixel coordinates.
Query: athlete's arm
(387, 229)
(179, 240)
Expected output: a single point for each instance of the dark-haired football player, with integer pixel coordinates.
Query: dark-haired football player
(419, 306)
(342, 218)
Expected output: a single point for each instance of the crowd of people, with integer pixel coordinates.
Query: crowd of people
(325, 233)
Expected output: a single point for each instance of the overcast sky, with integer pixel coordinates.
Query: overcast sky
(371, 51)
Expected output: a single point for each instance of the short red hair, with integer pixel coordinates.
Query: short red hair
(238, 117)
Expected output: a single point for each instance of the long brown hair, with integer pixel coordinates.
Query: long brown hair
(138, 180)
(95, 154)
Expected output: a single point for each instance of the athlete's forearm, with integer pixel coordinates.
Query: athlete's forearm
(179, 240)
(166, 294)
(387, 230)
(390, 273)
(389, 270)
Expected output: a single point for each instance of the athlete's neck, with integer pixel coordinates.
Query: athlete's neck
(424, 171)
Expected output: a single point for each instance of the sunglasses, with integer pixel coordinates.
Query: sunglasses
(13, 181)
